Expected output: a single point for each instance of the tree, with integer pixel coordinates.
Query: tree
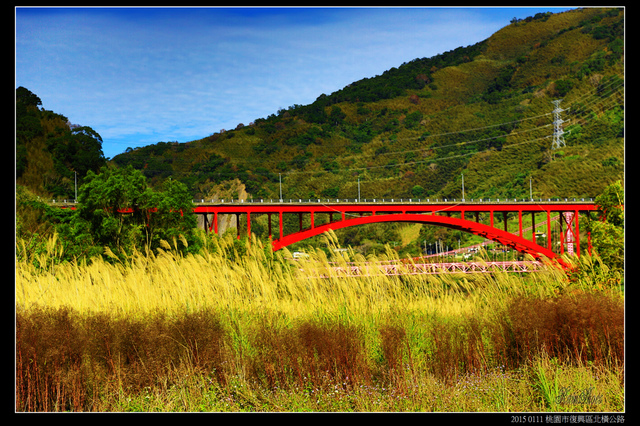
(120, 211)
(336, 116)
(417, 191)
(26, 97)
(78, 149)
(412, 119)
(87, 144)
(28, 126)
(103, 200)
(49, 149)
(607, 235)
(563, 87)
(171, 215)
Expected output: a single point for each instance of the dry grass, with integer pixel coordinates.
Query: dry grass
(166, 332)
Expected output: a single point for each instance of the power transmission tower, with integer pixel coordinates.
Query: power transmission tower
(558, 132)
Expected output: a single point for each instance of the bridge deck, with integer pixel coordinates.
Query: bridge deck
(403, 268)
(388, 206)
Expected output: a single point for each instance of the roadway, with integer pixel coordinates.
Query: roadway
(395, 201)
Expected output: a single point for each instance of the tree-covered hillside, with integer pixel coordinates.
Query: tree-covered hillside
(51, 153)
(484, 111)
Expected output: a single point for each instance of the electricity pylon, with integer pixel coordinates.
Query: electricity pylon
(558, 132)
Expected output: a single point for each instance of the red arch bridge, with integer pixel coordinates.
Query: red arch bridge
(463, 216)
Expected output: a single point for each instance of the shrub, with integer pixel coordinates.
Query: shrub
(582, 328)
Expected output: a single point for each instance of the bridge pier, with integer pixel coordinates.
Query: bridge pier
(210, 226)
(549, 243)
(570, 237)
(520, 223)
(533, 227)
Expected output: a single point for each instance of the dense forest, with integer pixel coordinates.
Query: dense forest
(484, 112)
(51, 153)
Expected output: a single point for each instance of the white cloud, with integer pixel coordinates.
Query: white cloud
(143, 76)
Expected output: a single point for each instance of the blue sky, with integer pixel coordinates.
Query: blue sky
(138, 76)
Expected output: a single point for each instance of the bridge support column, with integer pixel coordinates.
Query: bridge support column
(248, 225)
(571, 236)
(533, 227)
(205, 223)
(562, 236)
(280, 214)
(577, 234)
(520, 223)
(549, 229)
(269, 221)
(238, 225)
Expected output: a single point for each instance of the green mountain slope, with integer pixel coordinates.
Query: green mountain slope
(51, 153)
(484, 111)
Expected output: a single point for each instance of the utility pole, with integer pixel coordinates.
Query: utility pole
(463, 187)
(75, 177)
(558, 138)
(358, 188)
(280, 178)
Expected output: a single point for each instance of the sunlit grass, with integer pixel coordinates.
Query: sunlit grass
(240, 328)
(169, 281)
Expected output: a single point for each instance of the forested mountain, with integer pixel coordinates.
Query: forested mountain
(484, 111)
(51, 153)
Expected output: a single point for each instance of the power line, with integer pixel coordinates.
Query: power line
(600, 93)
(558, 138)
(457, 144)
(598, 89)
(557, 129)
(472, 130)
(602, 102)
(431, 160)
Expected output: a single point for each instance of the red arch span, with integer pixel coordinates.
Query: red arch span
(494, 234)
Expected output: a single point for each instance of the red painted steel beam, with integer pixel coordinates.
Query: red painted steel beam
(500, 236)
(347, 208)
(390, 208)
(430, 213)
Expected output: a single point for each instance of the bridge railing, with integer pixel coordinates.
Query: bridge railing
(391, 200)
(372, 200)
